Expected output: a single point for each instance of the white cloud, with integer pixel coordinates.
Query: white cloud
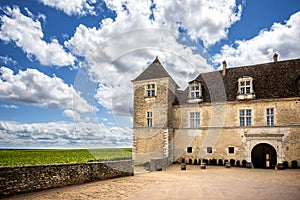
(62, 135)
(27, 34)
(281, 38)
(35, 88)
(206, 20)
(72, 114)
(9, 106)
(7, 60)
(73, 7)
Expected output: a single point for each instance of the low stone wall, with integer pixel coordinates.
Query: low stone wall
(24, 179)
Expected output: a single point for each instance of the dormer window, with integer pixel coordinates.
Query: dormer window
(245, 88)
(195, 92)
(150, 90)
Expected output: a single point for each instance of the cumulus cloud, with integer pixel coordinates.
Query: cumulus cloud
(206, 20)
(62, 135)
(74, 7)
(26, 33)
(281, 38)
(35, 88)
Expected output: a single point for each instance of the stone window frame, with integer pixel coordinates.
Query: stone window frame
(245, 118)
(150, 90)
(270, 116)
(194, 119)
(195, 91)
(211, 150)
(149, 116)
(245, 88)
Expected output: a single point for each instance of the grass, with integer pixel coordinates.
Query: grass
(51, 156)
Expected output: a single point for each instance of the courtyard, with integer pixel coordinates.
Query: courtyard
(214, 182)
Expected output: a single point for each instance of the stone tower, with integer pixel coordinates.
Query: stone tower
(154, 93)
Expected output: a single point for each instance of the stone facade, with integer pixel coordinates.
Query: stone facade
(23, 179)
(153, 143)
(218, 102)
(220, 129)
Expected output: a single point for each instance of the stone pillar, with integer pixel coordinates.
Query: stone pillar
(248, 151)
(279, 152)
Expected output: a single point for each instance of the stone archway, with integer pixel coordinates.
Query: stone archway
(264, 155)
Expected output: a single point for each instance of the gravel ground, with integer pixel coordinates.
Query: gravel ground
(173, 183)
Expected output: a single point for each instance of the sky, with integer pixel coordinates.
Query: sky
(66, 66)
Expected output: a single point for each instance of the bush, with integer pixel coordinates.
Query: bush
(237, 164)
(220, 162)
(294, 164)
(244, 163)
(285, 164)
(232, 162)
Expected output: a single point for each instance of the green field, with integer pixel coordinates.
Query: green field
(51, 156)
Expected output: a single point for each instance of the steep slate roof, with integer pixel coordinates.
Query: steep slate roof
(153, 71)
(270, 80)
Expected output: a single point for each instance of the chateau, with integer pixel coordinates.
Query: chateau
(244, 114)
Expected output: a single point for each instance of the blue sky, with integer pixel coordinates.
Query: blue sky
(66, 66)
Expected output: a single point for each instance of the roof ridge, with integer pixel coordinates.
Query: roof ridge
(246, 66)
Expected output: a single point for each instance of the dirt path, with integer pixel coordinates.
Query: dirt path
(194, 183)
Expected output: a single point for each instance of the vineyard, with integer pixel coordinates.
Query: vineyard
(52, 156)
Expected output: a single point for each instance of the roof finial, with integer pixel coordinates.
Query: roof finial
(156, 60)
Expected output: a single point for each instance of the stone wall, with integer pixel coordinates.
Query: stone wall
(23, 179)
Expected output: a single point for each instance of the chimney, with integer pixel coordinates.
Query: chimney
(224, 68)
(275, 57)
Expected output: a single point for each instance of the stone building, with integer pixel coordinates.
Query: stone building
(248, 114)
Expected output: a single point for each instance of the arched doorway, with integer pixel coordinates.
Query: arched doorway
(264, 156)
